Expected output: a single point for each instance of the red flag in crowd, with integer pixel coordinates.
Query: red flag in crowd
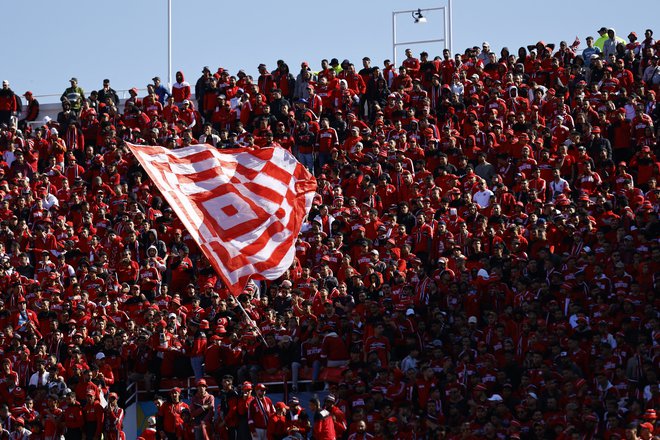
(243, 208)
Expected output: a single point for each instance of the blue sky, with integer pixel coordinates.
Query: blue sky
(49, 42)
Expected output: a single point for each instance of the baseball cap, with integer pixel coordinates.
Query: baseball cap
(647, 425)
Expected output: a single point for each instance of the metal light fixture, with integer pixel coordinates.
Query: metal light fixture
(419, 18)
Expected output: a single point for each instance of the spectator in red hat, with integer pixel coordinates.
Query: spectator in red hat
(74, 420)
(645, 431)
(278, 424)
(20, 432)
(203, 407)
(32, 112)
(260, 411)
(114, 419)
(170, 412)
(242, 411)
(93, 415)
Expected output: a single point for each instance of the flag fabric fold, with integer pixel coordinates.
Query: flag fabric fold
(244, 208)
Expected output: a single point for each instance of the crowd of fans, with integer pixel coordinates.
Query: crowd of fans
(481, 260)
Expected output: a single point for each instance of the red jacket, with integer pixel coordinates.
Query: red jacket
(8, 102)
(73, 416)
(324, 427)
(259, 411)
(277, 427)
(181, 90)
(93, 413)
(149, 434)
(29, 315)
(171, 414)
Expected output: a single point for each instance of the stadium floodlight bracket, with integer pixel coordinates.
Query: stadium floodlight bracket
(419, 18)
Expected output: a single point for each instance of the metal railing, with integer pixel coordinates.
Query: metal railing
(52, 98)
(131, 393)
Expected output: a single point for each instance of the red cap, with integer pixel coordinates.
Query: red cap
(650, 414)
(647, 425)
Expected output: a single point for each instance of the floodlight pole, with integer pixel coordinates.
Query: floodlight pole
(449, 26)
(169, 44)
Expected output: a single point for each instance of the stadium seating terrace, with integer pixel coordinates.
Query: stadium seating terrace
(481, 259)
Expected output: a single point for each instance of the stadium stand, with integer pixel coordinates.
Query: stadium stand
(481, 260)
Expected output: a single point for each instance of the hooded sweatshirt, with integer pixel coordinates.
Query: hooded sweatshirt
(160, 245)
(180, 89)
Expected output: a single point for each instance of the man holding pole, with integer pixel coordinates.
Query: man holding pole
(259, 411)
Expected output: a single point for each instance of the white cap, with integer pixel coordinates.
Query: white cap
(410, 312)
(100, 355)
(472, 320)
(495, 398)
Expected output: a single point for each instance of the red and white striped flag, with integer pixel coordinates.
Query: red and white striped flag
(243, 208)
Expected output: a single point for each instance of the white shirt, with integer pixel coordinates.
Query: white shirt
(49, 201)
(482, 198)
(559, 187)
(34, 379)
